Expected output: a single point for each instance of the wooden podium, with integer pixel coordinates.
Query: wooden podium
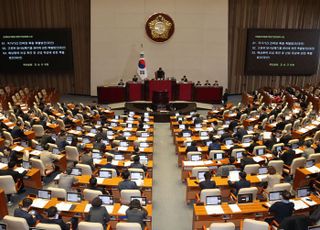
(161, 86)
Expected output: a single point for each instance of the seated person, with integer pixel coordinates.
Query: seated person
(281, 209)
(246, 160)
(198, 83)
(242, 183)
(207, 183)
(160, 75)
(271, 179)
(86, 158)
(215, 145)
(135, 78)
(17, 131)
(215, 84)
(224, 170)
(23, 212)
(121, 83)
(308, 150)
(207, 83)
(54, 218)
(48, 158)
(93, 185)
(66, 180)
(136, 163)
(136, 213)
(288, 155)
(193, 147)
(184, 79)
(126, 183)
(109, 165)
(98, 213)
(17, 177)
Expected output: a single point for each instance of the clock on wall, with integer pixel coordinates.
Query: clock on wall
(160, 27)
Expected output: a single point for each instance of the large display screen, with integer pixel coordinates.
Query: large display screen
(35, 50)
(282, 52)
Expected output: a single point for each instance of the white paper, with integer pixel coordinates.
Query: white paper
(35, 152)
(308, 201)
(127, 163)
(214, 209)
(313, 169)
(18, 148)
(267, 135)
(122, 148)
(234, 208)
(39, 203)
(3, 165)
(122, 210)
(258, 159)
(63, 206)
(87, 208)
(57, 177)
(20, 170)
(109, 208)
(100, 180)
(299, 204)
(96, 161)
(139, 182)
(262, 177)
(298, 151)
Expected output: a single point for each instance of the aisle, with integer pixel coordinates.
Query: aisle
(169, 208)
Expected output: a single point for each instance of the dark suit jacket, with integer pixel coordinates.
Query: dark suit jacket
(23, 214)
(215, 146)
(127, 184)
(111, 166)
(281, 210)
(239, 184)
(137, 216)
(59, 222)
(15, 175)
(207, 184)
(191, 148)
(138, 166)
(246, 161)
(16, 132)
(288, 156)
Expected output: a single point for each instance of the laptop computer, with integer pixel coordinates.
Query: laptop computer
(279, 148)
(24, 144)
(26, 165)
(5, 160)
(136, 175)
(144, 134)
(96, 155)
(310, 163)
(110, 133)
(73, 197)
(245, 198)
(199, 125)
(203, 134)
(78, 128)
(239, 155)
(260, 151)
(56, 151)
(106, 142)
(186, 134)
(146, 126)
(106, 200)
(188, 143)
(44, 194)
(218, 156)
(229, 142)
(263, 171)
(196, 157)
(76, 171)
(143, 145)
(303, 192)
(39, 147)
(126, 134)
(143, 159)
(85, 140)
(123, 144)
(275, 196)
(93, 131)
(105, 173)
(143, 200)
(118, 157)
(213, 200)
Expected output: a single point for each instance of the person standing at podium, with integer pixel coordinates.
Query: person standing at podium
(160, 75)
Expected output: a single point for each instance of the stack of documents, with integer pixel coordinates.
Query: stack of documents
(39, 203)
(299, 204)
(313, 169)
(122, 210)
(214, 209)
(234, 208)
(63, 206)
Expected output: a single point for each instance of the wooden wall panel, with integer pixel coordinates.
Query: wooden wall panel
(243, 14)
(74, 14)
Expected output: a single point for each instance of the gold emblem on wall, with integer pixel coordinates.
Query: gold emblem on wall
(160, 27)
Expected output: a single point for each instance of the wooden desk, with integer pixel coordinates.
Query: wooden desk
(34, 179)
(303, 177)
(3, 206)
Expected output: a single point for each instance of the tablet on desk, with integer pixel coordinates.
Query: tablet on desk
(76, 172)
(142, 200)
(73, 197)
(106, 199)
(104, 173)
(245, 198)
(44, 194)
(303, 192)
(213, 200)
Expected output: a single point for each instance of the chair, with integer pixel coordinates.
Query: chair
(189, 154)
(208, 192)
(34, 143)
(136, 170)
(235, 151)
(277, 164)
(315, 157)
(113, 171)
(15, 223)
(7, 136)
(281, 187)
(90, 194)
(52, 146)
(296, 124)
(196, 170)
(37, 163)
(83, 225)
(256, 148)
(288, 127)
(221, 226)
(316, 136)
(72, 153)
(61, 124)
(275, 146)
(264, 122)
(248, 224)
(48, 226)
(251, 190)
(243, 117)
(38, 130)
(8, 185)
(80, 117)
(293, 141)
(128, 226)
(251, 168)
(213, 152)
(296, 163)
(126, 194)
(59, 193)
(86, 169)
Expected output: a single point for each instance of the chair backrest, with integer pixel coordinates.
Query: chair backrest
(209, 192)
(189, 154)
(48, 226)
(315, 157)
(52, 146)
(113, 171)
(281, 187)
(249, 224)
(297, 163)
(213, 152)
(7, 184)
(316, 136)
(128, 226)
(61, 124)
(256, 148)
(277, 145)
(251, 190)
(8, 136)
(222, 226)
(37, 163)
(277, 164)
(235, 151)
(72, 153)
(34, 143)
(38, 130)
(58, 192)
(293, 141)
(83, 225)
(126, 194)
(288, 127)
(296, 124)
(15, 223)
(195, 171)
(137, 170)
(86, 169)
(264, 122)
(251, 168)
(90, 194)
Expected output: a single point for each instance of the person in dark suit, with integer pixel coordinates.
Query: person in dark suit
(160, 74)
(286, 137)
(240, 133)
(242, 183)
(136, 164)
(136, 213)
(126, 183)
(23, 212)
(87, 159)
(61, 141)
(197, 119)
(263, 114)
(281, 124)
(98, 213)
(232, 125)
(246, 160)
(17, 177)
(93, 185)
(17, 131)
(207, 183)
(215, 145)
(288, 155)
(53, 218)
(193, 147)
(281, 209)
(109, 165)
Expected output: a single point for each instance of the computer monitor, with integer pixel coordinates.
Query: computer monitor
(146, 119)
(213, 200)
(310, 163)
(39, 147)
(5, 160)
(295, 145)
(146, 114)
(203, 134)
(250, 128)
(143, 159)
(85, 140)
(116, 117)
(143, 145)
(143, 200)
(76, 171)
(260, 151)
(56, 151)
(73, 197)
(188, 144)
(131, 114)
(279, 148)
(3, 227)
(110, 133)
(227, 122)
(239, 154)
(208, 143)
(229, 142)
(218, 156)
(201, 175)
(303, 192)
(24, 144)
(144, 134)
(316, 227)
(106, 142)
(118, 157)
(245, 198)
(198, 125)
(146, 126)
(129, 125)
(106, 200)
(26, 165)
(263, 170)
(247, 140)
(274, 196)
(98, 122)
(78, 128)
(93, 131)
(196, 157)
(96, 155)
(220, 132)
(44, 194)
(105, 173)
(136, 175)
(69, 140)
(126, 134)
(123, 144)
(186, 134)
(113, 124)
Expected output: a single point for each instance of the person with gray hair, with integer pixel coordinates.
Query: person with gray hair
(66, 180)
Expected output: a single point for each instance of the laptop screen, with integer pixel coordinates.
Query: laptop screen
(143, 200)
(143, 159)
(96, 155)
(118, 157)
(76, 172)
(263, 170)
(126, 134)
(78, 128)
(182, 126)
(203, 134)
(5, 160)
(85, 140)
(55, 151)
(136, 175)
(201, 175)
(188, 144)
(73, 197)
(186, 134)
(213, 200)
(239, 155)
(274, 196)
(110, 133)
(279, 148)
(44, 194)
(303, 192)
(220, 132)
(195, 157)
(310, 163)
(26, 164)
(144, 145)
(245, 198)
(218, 156)
(39, 147)
(93, 131)
(146, 126)
(260, 151)
(247, 140)
(144, 134)
(123, 144)
(229, 142)
(106, 200)
(208, 143)
(105, 173)
(24, 144)
(198, 125)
